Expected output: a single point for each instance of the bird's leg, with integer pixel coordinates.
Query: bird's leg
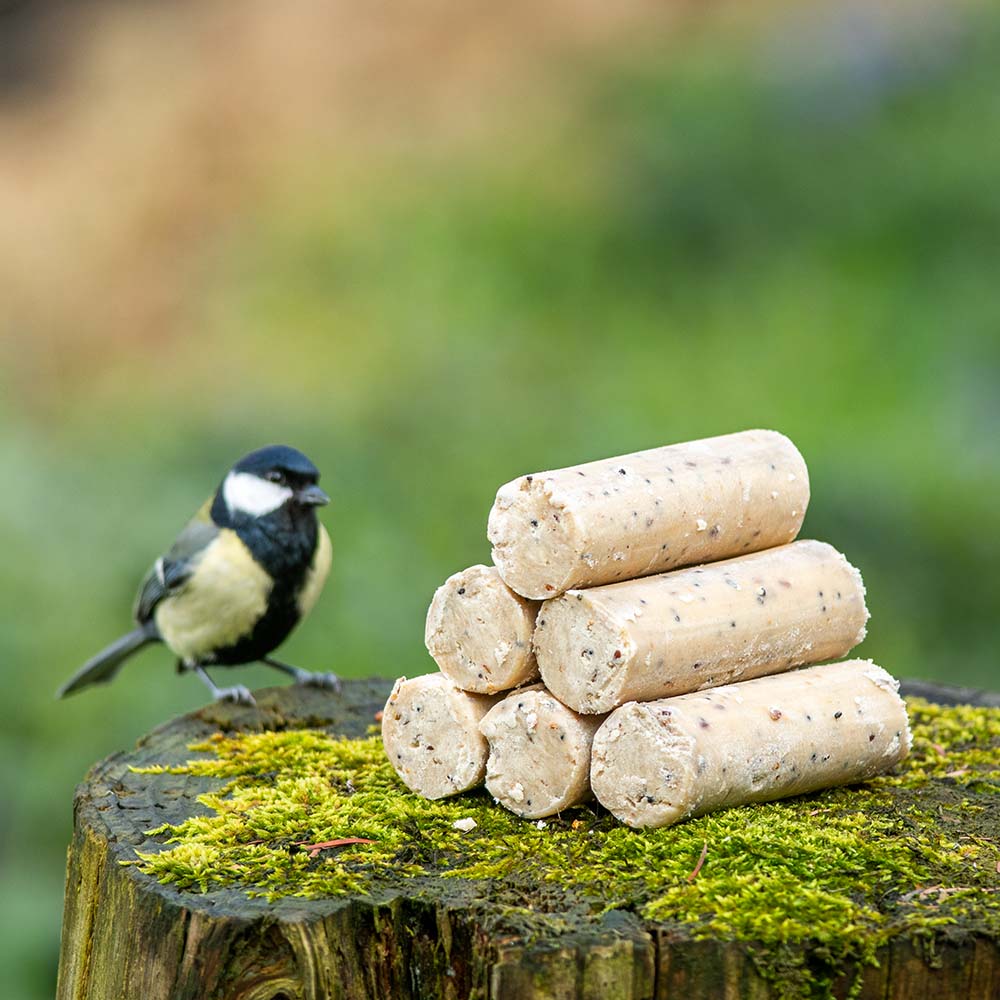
(238, 693)
(306, 677)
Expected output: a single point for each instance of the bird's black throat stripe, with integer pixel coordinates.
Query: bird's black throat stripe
(284, 544)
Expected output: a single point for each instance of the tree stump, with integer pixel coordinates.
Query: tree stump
(125, 936)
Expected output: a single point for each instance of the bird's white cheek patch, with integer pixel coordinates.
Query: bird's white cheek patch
(253, 495)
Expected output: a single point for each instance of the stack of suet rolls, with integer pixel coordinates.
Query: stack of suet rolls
(638, 637)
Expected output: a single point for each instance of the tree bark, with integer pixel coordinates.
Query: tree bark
(126, 937)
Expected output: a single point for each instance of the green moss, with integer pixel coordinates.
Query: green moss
(913, 852)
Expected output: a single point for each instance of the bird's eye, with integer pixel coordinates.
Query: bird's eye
(274, 476)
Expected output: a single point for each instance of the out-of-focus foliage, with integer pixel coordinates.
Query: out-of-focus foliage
(435, 261)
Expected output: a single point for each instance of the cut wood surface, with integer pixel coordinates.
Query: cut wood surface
(128, 937)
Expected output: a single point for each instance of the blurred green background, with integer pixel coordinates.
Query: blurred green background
(437, 250)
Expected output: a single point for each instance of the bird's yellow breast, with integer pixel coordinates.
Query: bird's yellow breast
(222, 601)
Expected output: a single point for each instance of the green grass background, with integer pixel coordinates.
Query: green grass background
(716, 231)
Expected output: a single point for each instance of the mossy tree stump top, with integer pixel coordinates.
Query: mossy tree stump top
(270, 854)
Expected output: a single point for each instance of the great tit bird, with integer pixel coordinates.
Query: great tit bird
(246, 569)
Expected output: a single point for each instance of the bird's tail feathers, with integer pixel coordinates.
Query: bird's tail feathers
(102, 668)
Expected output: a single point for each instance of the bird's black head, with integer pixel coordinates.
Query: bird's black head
(277, 458)
(268, 481)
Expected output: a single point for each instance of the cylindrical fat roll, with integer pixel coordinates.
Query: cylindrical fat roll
(539, 760)
(648, 512)
(479, 632)
(430, 730)
(700, 627)
(659, 762)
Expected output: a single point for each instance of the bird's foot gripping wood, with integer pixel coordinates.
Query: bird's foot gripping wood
(239, 694)
(307, 678)
(330, 682)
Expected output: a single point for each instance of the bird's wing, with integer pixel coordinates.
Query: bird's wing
(171, 571)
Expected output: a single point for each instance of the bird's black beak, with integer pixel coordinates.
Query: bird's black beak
(312, 496)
